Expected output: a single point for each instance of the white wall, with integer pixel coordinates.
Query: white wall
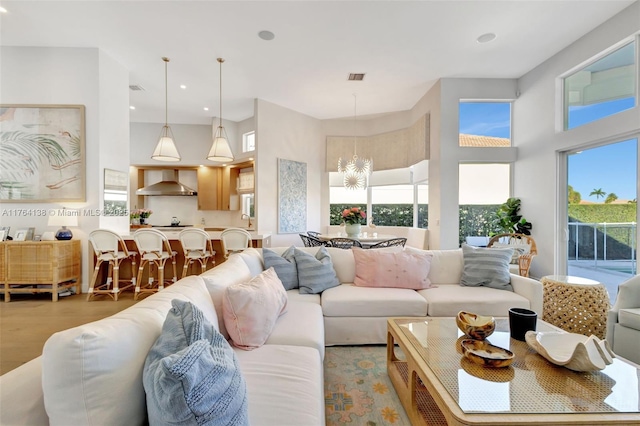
(284, 133)
(539, 138)
(81, 76)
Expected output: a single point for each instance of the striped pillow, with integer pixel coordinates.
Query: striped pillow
(488, 267)
(315, 273)
(285, 266)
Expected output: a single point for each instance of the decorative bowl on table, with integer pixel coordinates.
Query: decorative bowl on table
(475, 326)
(484, 353)
(577, 352)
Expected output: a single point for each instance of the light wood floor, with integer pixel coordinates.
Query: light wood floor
(29, 320)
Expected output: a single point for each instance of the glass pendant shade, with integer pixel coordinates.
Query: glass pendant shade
(220, 149)
(165, 149)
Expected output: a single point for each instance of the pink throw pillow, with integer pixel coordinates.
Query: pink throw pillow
(250, 310)
(397, 269)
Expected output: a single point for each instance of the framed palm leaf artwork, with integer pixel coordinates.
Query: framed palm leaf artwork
(42, 153)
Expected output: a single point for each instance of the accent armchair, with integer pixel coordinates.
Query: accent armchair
(623, 321)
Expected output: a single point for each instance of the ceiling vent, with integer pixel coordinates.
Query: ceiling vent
(136, 88)
(356, 76)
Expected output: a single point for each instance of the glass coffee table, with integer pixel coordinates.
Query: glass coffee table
(438, 385)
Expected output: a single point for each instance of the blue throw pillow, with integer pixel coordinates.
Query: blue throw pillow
(191, 375)
(487, 267)
(285, 266)
(315, 273)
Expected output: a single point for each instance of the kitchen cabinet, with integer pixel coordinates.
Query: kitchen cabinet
(219, 188)
(210, 188)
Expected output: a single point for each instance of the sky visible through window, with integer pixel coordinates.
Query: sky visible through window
(612, 168)
(486, 119)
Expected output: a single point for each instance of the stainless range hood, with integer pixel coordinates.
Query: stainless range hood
(170, 185)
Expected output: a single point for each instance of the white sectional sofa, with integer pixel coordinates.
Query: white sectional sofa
(92, 374)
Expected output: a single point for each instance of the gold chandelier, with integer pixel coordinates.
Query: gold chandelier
(357, 169)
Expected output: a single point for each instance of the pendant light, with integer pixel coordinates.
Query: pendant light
(220, 149)
(166, 149)
(357, 169)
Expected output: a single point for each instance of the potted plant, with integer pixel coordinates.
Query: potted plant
(144, 215)
(353, 218)
(508, 220)
(134, 216)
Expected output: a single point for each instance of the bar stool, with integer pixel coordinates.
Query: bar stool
(155, 250)
(197, 247)
(234, 240)
(110, 247)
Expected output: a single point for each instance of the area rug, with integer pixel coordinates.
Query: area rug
(357, 388)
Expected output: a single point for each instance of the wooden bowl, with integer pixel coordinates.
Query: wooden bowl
(475, 326)
(484, 353)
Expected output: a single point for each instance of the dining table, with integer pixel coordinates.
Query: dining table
(367, 239)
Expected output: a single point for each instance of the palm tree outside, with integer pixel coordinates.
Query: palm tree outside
(598, 193)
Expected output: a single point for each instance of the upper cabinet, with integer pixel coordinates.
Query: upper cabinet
(219, 188)
(210, 188)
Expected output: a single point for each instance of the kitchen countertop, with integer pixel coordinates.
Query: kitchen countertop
(214, 235)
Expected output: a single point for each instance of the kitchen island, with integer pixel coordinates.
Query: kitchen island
(258, 240)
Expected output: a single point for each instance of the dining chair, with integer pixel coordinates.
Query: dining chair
(313, 234)
(155, 250)
(389, 243)
(197, 247)
(344, 243)
(310, 241)
(234, 240)
(111, 249)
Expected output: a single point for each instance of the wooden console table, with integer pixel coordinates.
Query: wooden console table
(40, 267)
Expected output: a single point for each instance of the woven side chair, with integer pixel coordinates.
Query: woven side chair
(344, 243)
(389, 243)
(310, 241)
(517, 241)
(313, 234)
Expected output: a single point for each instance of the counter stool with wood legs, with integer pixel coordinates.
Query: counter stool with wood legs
(110, 247)
(197, 247)
(155, 250)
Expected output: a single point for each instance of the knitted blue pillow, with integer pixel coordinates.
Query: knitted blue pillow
(191, 375)
(315, 273)
(285, 266)
(488, 267)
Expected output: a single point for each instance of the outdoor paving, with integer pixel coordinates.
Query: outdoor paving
(611, 277)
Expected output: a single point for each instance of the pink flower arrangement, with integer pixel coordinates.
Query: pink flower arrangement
(354, 215)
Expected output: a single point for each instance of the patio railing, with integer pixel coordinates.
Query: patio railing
(607, 243)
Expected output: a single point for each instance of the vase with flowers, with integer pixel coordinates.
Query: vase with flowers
(353, 218)
(141, 214)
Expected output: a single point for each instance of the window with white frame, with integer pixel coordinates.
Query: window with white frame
(249, 141)
(484, 124)
(481, 188)
(601, 88)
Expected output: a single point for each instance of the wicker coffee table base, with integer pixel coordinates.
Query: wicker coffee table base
(574, 308)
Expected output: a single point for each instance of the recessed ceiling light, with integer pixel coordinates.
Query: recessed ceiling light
(182, 86)
(132, 107)
(206, 108)
(266, 35)
(3, 10)
(486, 38)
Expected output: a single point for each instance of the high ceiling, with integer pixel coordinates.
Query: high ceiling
(403, 47)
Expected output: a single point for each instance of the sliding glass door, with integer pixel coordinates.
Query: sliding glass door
(601, 213)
